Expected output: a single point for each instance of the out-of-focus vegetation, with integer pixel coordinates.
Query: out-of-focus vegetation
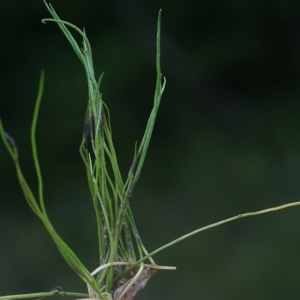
(227, 141)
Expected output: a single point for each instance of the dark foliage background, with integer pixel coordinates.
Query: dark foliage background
(226, 141)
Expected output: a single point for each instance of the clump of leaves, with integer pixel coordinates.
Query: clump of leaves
(117, 233)
(121, 251)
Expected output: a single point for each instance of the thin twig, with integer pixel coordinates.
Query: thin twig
(121, 263)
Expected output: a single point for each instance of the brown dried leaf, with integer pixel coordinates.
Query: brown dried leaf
(139, 284)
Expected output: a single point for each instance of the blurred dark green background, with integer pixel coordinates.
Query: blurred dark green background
(227, 141)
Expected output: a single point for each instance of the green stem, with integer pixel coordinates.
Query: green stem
(239, 216)
(33, 142)
(46, 294)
